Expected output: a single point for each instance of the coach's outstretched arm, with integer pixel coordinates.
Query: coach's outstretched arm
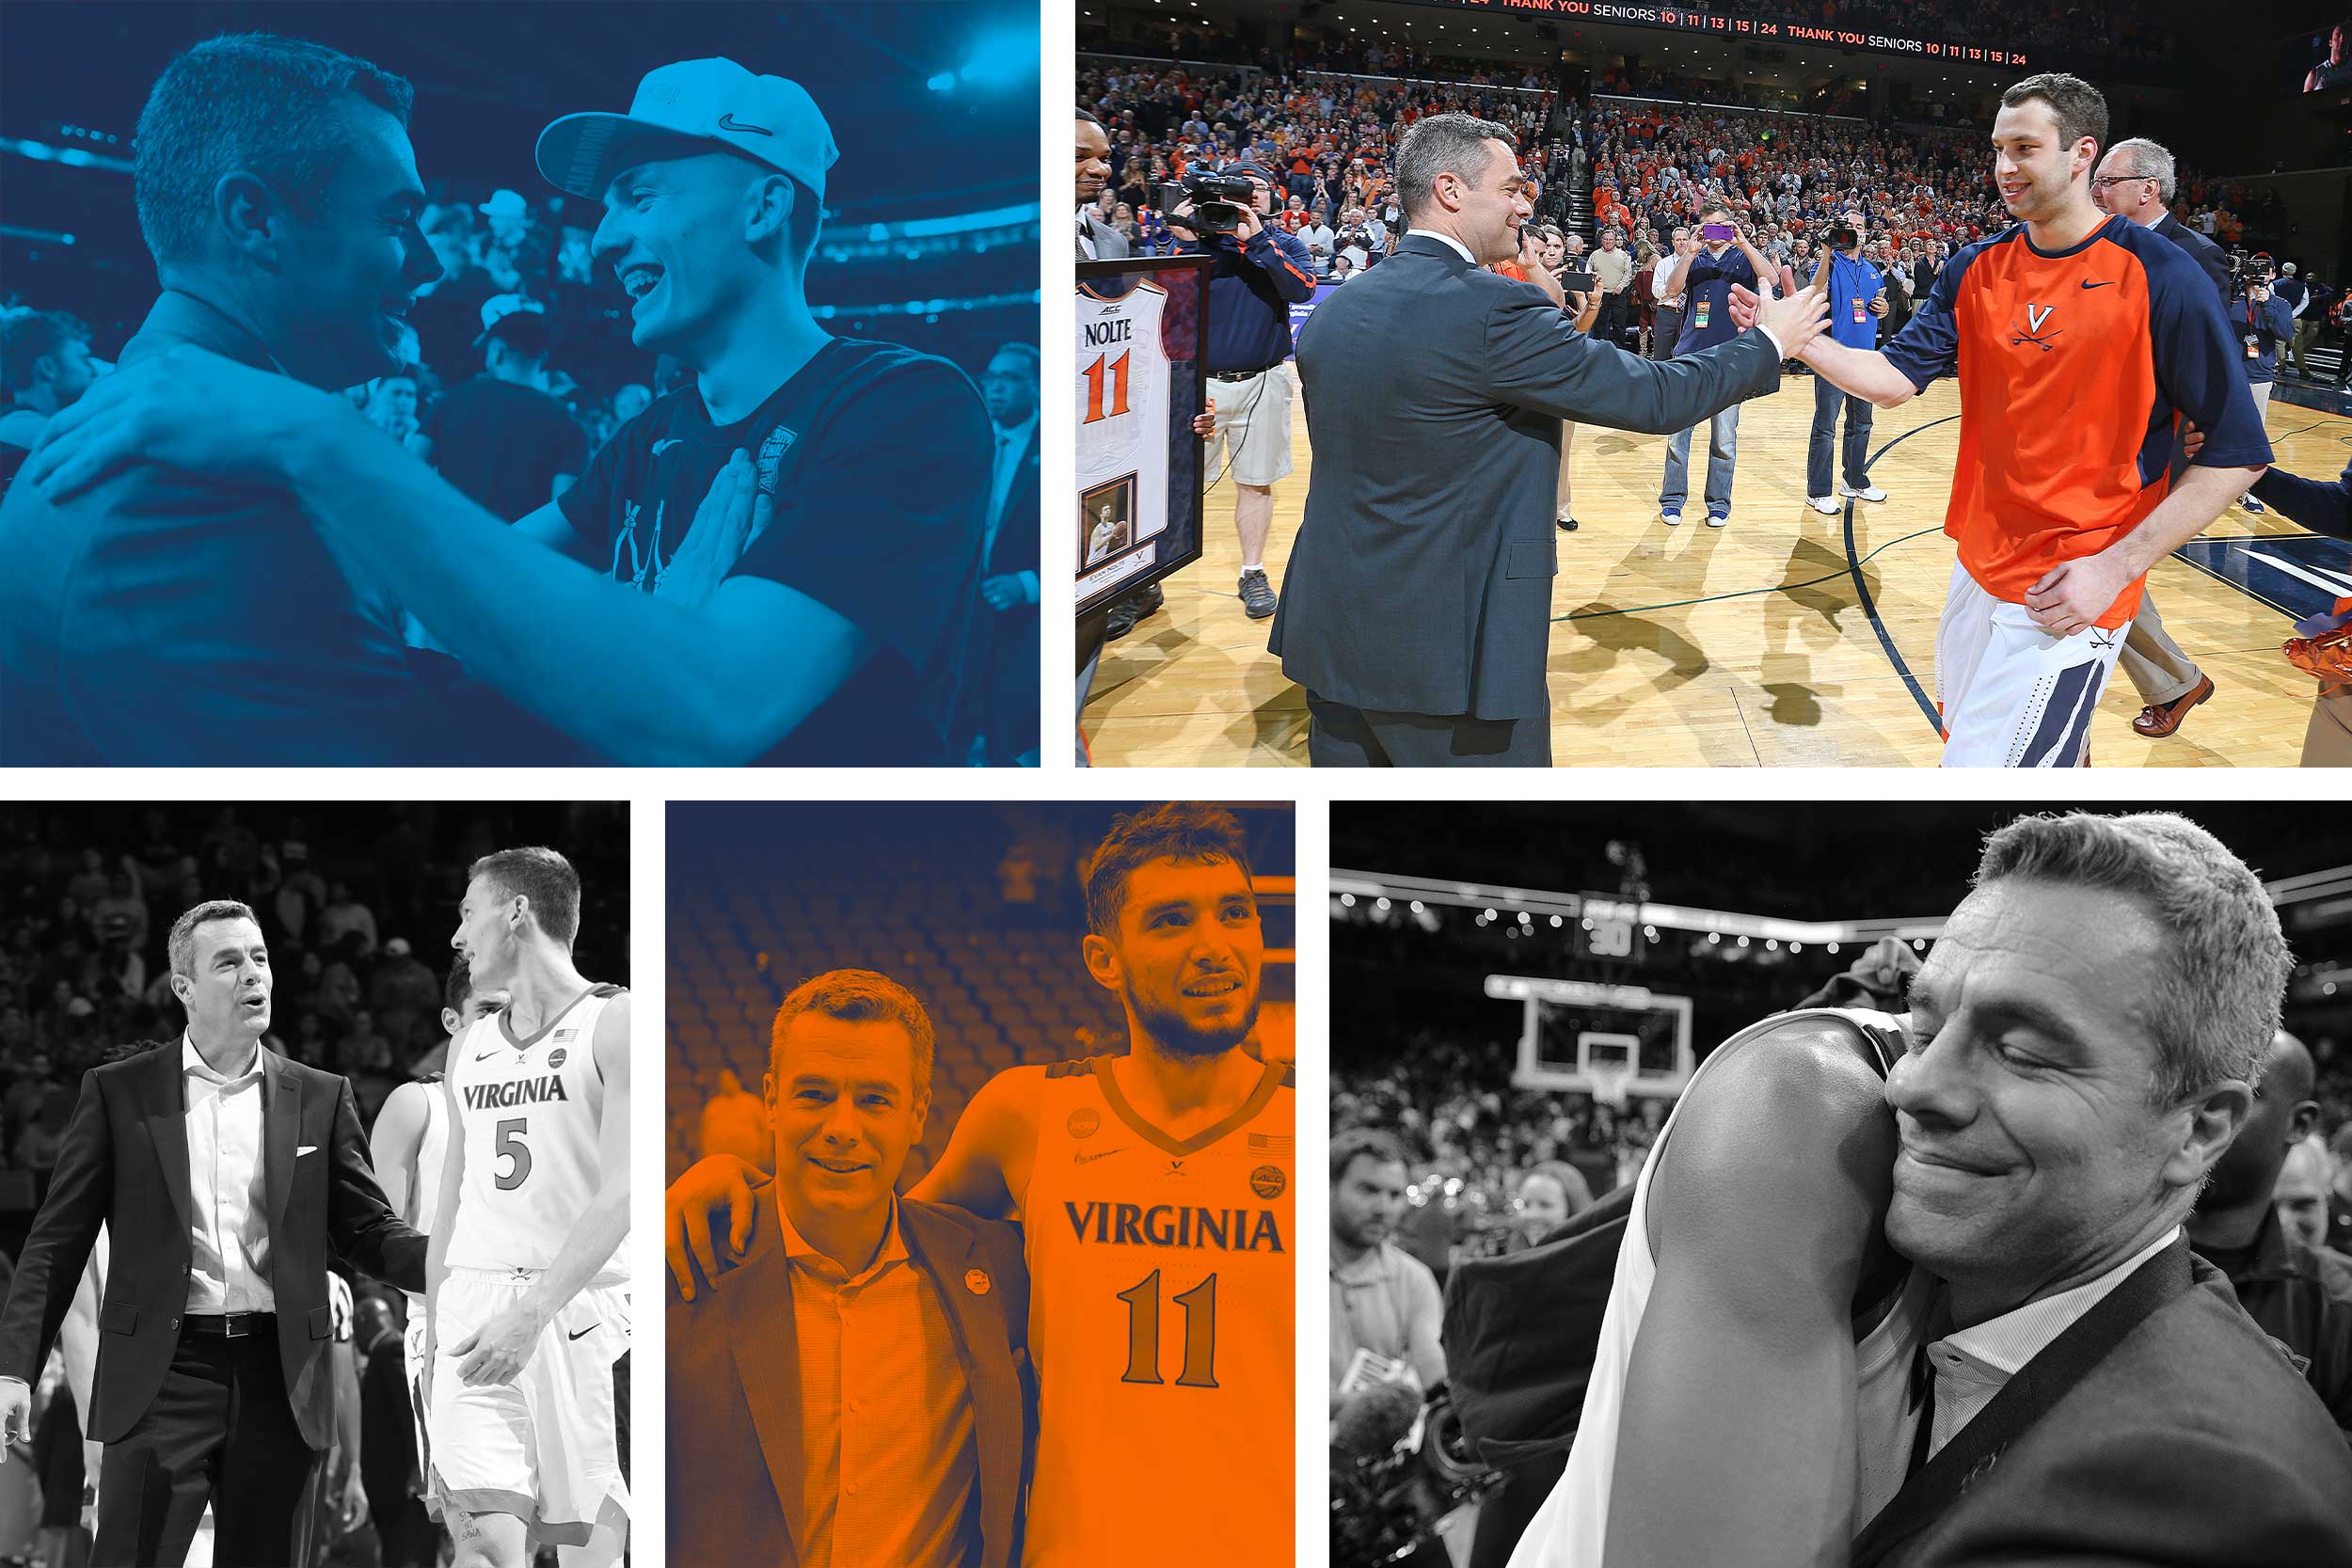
(499, 1350)
(1537, 359)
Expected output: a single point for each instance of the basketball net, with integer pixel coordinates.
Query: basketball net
(1612, 1081)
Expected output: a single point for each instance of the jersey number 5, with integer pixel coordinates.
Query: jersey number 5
(509, 1146)
(1143, 1332)
(1118, 377)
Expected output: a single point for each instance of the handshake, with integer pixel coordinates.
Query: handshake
(1796, 318)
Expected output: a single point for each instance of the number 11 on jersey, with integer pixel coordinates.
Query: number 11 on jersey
(1143, 1332)
(1118, 378)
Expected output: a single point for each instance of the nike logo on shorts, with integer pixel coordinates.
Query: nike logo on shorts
(2108, 284)
(590, 1329)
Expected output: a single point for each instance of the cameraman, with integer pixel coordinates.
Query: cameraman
(2261, 321)
(1259, 273)
(1857, 295)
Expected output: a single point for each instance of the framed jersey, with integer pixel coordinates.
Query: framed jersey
(1143, 330)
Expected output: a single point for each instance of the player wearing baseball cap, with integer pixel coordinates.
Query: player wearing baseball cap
(783, 553)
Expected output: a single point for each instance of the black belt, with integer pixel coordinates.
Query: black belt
(1239, 376)
(229, 1326)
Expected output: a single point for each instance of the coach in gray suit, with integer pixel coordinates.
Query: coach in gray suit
(1417, 608)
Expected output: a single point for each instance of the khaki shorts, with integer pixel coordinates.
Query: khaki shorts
(1254, 416)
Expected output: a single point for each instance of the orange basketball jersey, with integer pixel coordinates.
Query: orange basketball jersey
(1160, 1315)
(2074, 368)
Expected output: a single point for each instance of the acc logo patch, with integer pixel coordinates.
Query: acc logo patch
(1084, 1122)
(977, 1282)
(1268, 1182)
(555, 1058)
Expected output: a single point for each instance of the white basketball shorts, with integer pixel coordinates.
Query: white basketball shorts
(2013, 695)
(544, 1448)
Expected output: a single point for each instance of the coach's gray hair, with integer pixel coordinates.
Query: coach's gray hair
(269, 105)
(2144, 157)
(181, 946)
(1452, 144)
(2225, 963)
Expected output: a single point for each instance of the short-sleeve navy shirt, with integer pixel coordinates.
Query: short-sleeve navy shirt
(879, 459)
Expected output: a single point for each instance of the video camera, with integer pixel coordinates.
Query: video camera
(2251, 272)
(1843, 237)
(1218, 200)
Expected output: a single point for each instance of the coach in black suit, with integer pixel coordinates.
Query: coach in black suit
(1416, 610)
(224, 1173)
(2087, 1034)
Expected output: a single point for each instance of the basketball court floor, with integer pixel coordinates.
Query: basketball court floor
(1788, 638)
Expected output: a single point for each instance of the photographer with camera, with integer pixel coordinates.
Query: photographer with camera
(1703, 280)
(1261, 271)
(1857, 295)
(2261, 321)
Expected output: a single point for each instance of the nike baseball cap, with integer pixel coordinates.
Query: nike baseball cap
(763, 117)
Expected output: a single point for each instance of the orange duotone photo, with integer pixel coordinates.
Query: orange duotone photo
(982, 1211)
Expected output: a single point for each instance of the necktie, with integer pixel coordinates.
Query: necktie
(1923, 1397)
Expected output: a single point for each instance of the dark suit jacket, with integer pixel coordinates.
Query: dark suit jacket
(1421, 579)
(2163, 1428)
(2207, 254)
(1001, 698)
(734, 1389)
(124, 1164)
(158, 619)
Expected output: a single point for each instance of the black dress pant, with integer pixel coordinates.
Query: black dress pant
(220, 1430)
(1341, 735)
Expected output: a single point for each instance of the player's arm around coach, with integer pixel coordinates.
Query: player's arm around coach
(648, 679)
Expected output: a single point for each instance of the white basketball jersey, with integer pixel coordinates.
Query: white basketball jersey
(1572, 1527)
(1123, 388)
(530, 1110)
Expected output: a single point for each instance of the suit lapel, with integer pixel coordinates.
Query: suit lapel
(167, 1125)
(767, 1349)
(2040, 1384)
(282, 1119)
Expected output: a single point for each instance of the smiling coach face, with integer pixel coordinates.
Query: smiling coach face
(842, 1098)
(275, 182)
(2041, 1144)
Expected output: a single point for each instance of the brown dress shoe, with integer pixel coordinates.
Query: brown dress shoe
(2158, 719)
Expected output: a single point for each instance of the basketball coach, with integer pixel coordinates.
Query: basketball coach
(1416, 610)
(224, 1173)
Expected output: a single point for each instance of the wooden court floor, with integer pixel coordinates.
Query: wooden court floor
(1743, 647)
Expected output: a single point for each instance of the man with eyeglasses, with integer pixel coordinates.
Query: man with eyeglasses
(2136, 181)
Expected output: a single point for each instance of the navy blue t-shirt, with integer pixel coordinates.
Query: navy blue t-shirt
(1707, 298)
(880, 461)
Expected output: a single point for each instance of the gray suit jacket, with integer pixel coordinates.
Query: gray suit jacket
(1421, 579)
(1109, 244)
(2163, 1428)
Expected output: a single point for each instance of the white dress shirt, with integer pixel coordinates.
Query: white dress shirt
(228, 1234)
(1972, 1365)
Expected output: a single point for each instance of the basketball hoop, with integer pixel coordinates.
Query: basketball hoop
(1611, 1083)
